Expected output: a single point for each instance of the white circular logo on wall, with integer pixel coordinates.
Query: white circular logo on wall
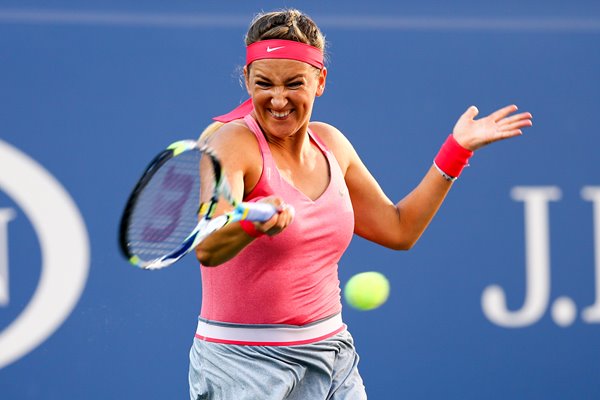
(64, 246)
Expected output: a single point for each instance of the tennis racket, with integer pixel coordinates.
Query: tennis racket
(160, 223)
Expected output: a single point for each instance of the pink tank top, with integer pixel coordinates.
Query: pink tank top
(290, 278)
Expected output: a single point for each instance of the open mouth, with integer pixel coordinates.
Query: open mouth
(280, 114)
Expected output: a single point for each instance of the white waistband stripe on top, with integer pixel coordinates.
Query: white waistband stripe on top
(269, 335)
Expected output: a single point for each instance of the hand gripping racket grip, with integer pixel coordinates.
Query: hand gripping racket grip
(259, 212)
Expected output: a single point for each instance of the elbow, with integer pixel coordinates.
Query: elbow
(206, 258)
(403, 243)
(402, 246)
(400, 241)
(407, 241)
(406, 246)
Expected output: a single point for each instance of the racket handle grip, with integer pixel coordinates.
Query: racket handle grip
(259, 212)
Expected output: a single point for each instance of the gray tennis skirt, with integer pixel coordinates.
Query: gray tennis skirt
(326, 369)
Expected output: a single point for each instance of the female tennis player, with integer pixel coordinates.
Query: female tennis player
(270, 325)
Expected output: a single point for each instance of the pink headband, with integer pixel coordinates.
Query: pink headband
(287, 49)
(275, 48)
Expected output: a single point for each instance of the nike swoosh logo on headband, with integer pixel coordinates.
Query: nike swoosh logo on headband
(269, 49)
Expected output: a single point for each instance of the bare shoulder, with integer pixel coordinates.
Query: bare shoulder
(231, 133)
(235, 145)
(335, 140)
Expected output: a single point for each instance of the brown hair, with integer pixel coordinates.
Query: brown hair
(287, 24)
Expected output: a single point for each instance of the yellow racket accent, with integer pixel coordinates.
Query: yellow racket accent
(135, 260)
(203, 210)
(180, 146)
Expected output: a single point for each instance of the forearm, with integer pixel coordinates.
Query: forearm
(222, 245)
(417, 209)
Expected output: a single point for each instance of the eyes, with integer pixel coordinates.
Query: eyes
(264, 84)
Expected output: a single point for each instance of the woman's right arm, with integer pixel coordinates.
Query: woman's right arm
(240, 157)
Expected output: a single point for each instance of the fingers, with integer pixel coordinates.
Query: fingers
(512, 125)
(501, 124)
(511, 133)
(514, 118)
(470, 114)
(284, 216)
(523, 123)
(290, 208)
(280, 221)
(503, 112)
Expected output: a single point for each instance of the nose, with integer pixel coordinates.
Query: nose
(279, 99)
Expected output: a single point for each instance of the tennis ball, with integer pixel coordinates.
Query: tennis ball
(367, 290)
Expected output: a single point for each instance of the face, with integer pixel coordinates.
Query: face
(283, 93)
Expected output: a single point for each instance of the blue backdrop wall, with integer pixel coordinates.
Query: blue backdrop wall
(499, 299)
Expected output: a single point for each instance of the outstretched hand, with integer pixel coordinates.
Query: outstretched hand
(502, 124)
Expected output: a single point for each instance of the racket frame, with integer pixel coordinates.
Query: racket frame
(207, 224)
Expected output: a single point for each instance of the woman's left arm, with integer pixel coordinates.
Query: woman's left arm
(399, 226)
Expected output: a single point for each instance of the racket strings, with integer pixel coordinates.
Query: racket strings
(166, 209)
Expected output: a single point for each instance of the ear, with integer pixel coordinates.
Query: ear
(247, 80)
(322, 80)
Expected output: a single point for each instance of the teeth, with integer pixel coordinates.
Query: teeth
(280, 114)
